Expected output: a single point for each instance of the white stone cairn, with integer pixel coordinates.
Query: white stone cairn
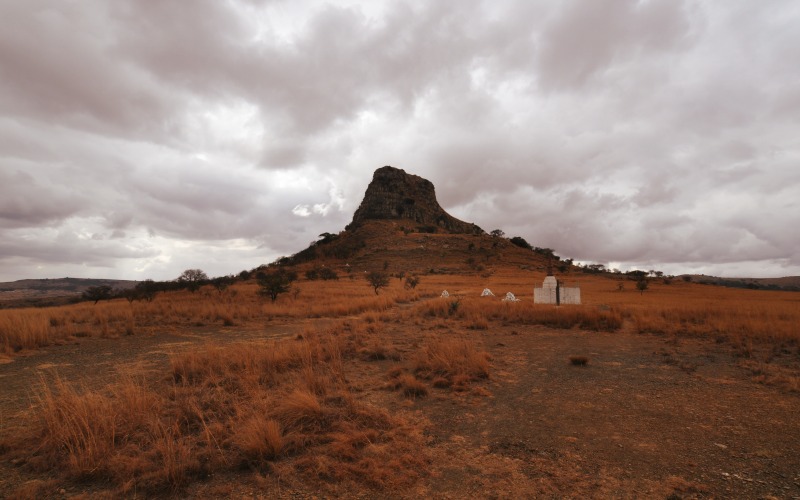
(445, 294)
(510, 298)
(487, 293)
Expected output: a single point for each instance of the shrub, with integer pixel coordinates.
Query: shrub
(520, 242)
(326, 274)
(579, 360)
(412, 282)
(377, 280)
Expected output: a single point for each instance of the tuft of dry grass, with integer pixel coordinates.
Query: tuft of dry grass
(26, 329)
(259, 438)
(300, 410)
(411, 386)
(452, 363)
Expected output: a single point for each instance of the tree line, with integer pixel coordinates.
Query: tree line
(272, 283)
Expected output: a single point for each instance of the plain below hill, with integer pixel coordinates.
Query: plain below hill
(787, 283)
(45, 292)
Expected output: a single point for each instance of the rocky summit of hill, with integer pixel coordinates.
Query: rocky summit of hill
(395, 194)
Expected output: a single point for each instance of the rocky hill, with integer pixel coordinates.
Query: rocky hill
(400, 227)
(394, 194)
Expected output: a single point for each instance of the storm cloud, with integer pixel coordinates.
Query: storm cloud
(138, 139)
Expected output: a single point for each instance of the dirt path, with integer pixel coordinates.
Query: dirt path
(645, 418)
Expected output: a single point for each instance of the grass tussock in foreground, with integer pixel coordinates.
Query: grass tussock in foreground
(444, 363)
(283, 410)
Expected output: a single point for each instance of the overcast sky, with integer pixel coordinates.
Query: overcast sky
(142, 138)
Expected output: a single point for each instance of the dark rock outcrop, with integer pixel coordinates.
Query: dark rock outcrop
(394, 194)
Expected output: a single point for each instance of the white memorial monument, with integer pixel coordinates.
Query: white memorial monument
(553, 291)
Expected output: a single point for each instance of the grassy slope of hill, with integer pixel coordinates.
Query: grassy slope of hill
(398, 246)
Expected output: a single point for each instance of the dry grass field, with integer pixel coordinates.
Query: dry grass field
(683, 391)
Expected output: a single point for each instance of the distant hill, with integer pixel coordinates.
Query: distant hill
(46, 292)
(788, 283)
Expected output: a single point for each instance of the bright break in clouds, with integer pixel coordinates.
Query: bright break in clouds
(139, 139)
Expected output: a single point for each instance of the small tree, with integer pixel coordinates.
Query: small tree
(193, 279)
(412, 281)
(130, 295)
(520, 242)
(636, 275)
(222, 283)
(274, 284)
(641, 285)
(498, 233)
(97, 293)
(146, 290)
(326, 237)
(378, 280)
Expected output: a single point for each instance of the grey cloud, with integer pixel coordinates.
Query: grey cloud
(27, 201)
(64, 247)
(66, 72)
(588, 37)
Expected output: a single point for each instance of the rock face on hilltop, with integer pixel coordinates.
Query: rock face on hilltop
(394, 194)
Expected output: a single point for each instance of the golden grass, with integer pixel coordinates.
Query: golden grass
(444, 362)
(478, 311)
(286, 407)
(25, 329)
(259, 438)
(30, 328)
(734, 315)
(450, 358)
(222, 407)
